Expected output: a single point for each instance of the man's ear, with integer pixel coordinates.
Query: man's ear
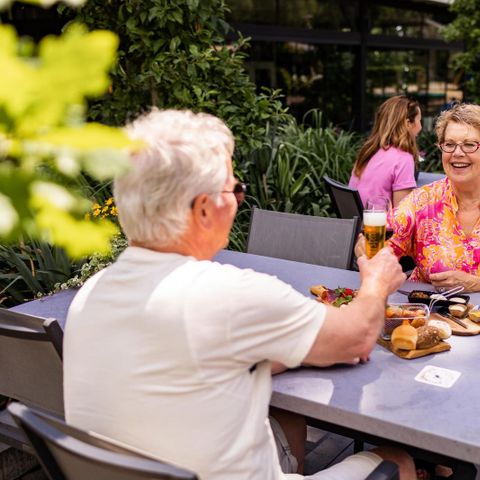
(202, 210)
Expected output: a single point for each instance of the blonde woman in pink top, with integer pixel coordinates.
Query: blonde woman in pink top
(385, 165)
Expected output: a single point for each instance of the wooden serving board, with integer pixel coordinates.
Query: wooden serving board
(472, 327)
(410, 354)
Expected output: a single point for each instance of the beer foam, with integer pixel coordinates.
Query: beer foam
(375, 219)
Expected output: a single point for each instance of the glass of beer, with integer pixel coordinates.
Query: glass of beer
(374, 224)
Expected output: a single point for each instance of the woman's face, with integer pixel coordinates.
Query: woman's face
(415, 127)
(460, 167)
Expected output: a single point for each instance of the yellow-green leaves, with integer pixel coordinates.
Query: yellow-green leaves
(37, 92)
(45, 142)
(43, 3)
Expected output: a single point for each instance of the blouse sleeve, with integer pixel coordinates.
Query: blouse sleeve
(404, 173)
(402, 221)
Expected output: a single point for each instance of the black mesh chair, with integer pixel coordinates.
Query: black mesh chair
(31, 368)
(67, 453)
(302, 238)
(346, 201)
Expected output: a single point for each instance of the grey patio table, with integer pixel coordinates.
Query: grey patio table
(380, 398)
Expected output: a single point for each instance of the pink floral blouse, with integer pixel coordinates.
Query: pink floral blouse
(426, 228)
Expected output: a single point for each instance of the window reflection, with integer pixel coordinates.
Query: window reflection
(314, 54)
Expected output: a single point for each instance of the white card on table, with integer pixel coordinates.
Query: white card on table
(440, 377)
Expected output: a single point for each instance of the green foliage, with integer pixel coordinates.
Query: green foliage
(30, 269)
(427, 144)
(45, 143)
(174, 55)
(285, 173)
(466, 28)
(43, 3)
(94, 264)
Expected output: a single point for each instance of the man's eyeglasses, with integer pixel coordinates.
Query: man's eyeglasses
(239, 190)
(465, 147)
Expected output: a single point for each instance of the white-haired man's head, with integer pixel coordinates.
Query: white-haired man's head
(184, 154)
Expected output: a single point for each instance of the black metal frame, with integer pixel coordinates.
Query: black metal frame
(331, 185)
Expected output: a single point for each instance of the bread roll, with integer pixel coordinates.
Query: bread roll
(444, 328)
(404, 337)
(428, 336)
(418, 322)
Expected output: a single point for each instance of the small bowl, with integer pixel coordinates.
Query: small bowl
(474, 315)
(458, 310)
(396, 313)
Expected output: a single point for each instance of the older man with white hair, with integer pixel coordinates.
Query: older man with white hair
(170, 352)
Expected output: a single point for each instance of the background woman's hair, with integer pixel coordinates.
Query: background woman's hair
(390, 129)
(460, 113)
(183, 154)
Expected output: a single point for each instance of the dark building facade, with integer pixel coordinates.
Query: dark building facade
(346, 56)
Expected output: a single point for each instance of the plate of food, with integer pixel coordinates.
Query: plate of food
(409, 331)
(463, 319)
(333, 296)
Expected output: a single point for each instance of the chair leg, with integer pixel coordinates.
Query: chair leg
(357, 446)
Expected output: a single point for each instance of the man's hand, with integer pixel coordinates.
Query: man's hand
(454, 278)
(382, 274)
(360, 248)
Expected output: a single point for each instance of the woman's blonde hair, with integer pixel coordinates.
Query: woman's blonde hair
(466, 113)
(390, 129)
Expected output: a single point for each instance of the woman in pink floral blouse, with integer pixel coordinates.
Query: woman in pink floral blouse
(438, 224)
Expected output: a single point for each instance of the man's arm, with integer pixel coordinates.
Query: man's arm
(349, 333)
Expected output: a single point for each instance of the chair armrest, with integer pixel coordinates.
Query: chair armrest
(385, 471)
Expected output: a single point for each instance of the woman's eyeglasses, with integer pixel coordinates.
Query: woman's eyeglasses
(239, 190)
(465, 147)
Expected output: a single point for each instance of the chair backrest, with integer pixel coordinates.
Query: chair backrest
(302, 238)
(31, 360)
(346, 201)
(67, 453)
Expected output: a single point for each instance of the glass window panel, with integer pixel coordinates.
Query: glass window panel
(308, 75)
(406, 23)
(337, 15)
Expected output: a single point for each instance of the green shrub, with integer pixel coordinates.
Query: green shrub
(466, 28)
(427, 144)
(174, 55)
(32, 268)
(285, 173)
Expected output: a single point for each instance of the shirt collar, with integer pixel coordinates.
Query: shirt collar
(450, 197)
